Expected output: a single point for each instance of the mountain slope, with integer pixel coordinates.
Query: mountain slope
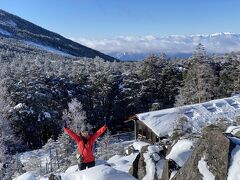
(17, 28)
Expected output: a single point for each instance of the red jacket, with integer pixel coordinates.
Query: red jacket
(87, 151)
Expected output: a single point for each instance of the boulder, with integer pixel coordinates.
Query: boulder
(214, 147)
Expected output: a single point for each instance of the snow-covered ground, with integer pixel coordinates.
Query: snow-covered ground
(48, 48)
(122, 163)
(116, 167)
(6, 33)
(198, 116)
(101, 172)
(8, 23)
(27, 176)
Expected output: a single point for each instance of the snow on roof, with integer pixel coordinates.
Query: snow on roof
(163, 122)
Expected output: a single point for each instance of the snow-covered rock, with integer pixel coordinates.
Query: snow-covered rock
(27, 176)
(122, 163)
(181, 151)
(101, 172)
(233, 171)
(204, 170)
(233, 129)
(139, 144)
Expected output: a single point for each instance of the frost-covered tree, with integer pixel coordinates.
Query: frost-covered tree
(199, 83)
(200, 53)
(76, 115)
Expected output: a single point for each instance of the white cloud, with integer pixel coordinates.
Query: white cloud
(217, 43)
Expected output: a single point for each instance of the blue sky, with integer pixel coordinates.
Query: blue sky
(112, 18)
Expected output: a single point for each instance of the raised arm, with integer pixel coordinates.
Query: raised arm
(98, 133)
(73, 135)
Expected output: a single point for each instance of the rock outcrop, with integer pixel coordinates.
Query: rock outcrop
(214, 148)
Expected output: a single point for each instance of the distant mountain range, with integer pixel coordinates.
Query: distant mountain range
(137, 48)
(15, 29)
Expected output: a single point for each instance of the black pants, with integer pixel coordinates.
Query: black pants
(82, 166)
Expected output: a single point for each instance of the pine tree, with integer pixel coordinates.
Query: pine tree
(198, 84)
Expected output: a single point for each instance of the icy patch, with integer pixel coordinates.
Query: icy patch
(48, 48)
(204, 170)
(27, 176)
(6, 33)
(181, 151)
(233, 171)
(101, 172)
(139, 145)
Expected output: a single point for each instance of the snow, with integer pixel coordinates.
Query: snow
(173, 174)
(6, 33)
(163, 122)
(19, 106)
(48, 48)
(74, 168)
(233, 129)
(8, 23)
(150, 167)
(181, 151)
(122, 163)
(27, 176)
(101, 172)
(150, 162)
(47, 115)
(233, 171)
(204, 170)
(41, 155)
(139, 145)
(159, 168)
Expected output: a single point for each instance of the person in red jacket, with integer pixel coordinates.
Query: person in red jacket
(85, 143)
